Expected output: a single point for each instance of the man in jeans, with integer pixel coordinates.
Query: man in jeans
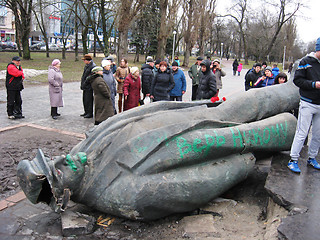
(307, 79)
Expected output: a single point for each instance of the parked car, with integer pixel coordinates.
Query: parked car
(37, 46)
(11, 45)
(52, 47)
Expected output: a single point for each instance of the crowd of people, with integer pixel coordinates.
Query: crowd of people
(161, 82)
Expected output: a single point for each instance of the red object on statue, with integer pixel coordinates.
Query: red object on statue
(214, 99)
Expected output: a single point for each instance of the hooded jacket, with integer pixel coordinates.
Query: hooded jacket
(109, 79)
(207, 83)
(305, 77)
(147, 76)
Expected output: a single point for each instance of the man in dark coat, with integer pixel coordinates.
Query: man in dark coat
(207, 83)
(147, 77)
(14, 85)
(252, 76)
(87, 96)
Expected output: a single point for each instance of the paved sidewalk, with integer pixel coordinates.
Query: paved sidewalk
(36, 106)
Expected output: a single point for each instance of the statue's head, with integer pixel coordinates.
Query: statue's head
(51, 180)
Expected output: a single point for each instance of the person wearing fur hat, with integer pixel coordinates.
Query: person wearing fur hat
(103, 108)
(109, 79)
(281, 78)
(266, 79)
(55, 79)
(131, 89)
(306, 78)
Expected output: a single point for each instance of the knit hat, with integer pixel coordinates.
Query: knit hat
(199, 58)
(105, 62)
(318, 45)
(268, 68)
(96, 69)
(133, 70)
(149, 59)
(87, 57)
(55, 62)
(175, 64)
(216, 60)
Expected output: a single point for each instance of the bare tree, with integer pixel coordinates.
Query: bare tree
(22, 10)
(127, 11)
(168, 13)
(238, 13)
(207, 15)
(283, 16)
(190, 24)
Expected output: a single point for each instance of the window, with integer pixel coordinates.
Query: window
(2, 21)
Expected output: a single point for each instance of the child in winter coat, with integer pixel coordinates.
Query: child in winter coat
(239, 68)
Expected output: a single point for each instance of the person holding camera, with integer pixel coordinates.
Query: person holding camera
(218, 72)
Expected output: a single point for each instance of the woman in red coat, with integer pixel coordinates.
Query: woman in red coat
(131, 89)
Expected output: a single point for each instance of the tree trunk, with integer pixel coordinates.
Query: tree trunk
(186, 57)
(163, 32)
(122, 45)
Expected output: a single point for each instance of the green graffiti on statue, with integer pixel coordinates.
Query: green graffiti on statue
(187, 144)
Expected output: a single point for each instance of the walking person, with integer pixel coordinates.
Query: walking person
(194, 73)
(162, 84)
(218, 72)
(131, 89)
(109, 79)
(239, 69)
(120, 75)
(180, 83)
(55, 79)
(235, 65)
(306, 77)
(14, 86)
(87, 96)
(207, 83)
(103, 108)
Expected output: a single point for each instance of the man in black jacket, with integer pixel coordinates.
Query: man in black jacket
(306, 77)
(147, 76)
(252, 76)
(207, 83)
(87, 96)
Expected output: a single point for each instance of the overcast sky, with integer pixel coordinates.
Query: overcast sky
(308, 22)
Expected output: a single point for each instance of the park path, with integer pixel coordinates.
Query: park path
(36, 105)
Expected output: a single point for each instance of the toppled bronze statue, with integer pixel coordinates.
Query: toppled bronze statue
(165, 157)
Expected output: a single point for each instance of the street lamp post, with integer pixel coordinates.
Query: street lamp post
(174, 39)
(221, 50)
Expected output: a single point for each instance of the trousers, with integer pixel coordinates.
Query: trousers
(87, 98)
(309, 114)
(14, 102)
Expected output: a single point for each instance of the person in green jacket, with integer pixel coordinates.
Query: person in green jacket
(194, 74)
